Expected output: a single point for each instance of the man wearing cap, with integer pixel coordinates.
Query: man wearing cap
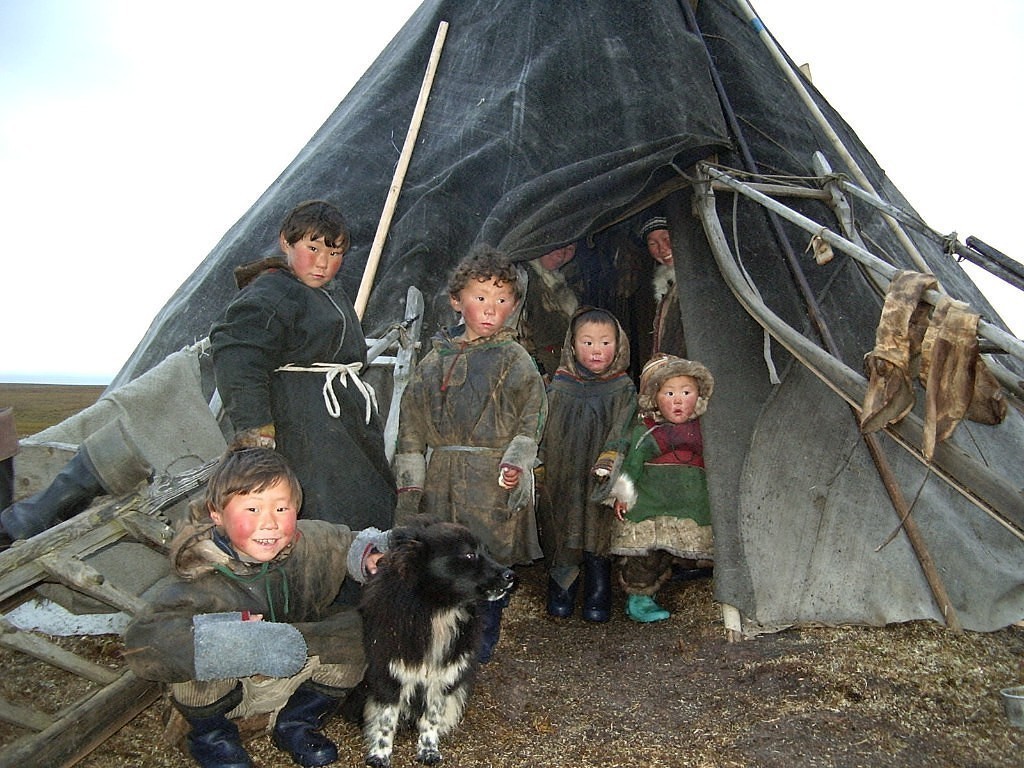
(668, 325)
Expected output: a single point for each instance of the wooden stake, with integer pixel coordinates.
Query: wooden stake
(373, 260)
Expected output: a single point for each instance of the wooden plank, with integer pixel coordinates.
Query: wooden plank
(84, 726)
(83, 534)
(75, 573)
(147, 528)
(23, 717)
(40, 648)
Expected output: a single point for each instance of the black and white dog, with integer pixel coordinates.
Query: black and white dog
(421, 630)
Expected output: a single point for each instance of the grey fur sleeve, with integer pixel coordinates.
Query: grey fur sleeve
(521, 453)
(226, 647)
(368, 540)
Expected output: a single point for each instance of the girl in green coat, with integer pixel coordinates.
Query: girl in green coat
(661, 495)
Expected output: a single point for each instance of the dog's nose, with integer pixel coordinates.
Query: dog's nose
(509, 576)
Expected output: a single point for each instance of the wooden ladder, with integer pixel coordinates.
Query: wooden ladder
(61, 554)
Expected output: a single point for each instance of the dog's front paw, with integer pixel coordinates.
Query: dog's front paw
(428, 756)
(378, 761)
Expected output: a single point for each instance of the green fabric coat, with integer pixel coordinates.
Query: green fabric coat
(665, 488)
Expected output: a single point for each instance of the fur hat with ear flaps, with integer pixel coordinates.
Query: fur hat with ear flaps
(660, 369)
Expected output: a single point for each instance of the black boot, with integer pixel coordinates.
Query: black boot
(6, 497)
(6, 483)
(213, 740)
(297, 730)
(71, 491)
(491, 613)
(561, 602)
(597, 587)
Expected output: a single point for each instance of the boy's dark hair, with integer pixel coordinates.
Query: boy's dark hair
(593, 315)
(484, 263)
(246, 470)
(316, 219)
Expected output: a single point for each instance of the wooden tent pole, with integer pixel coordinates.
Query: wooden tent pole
(373, 260)
(874, 449)
(837, 144)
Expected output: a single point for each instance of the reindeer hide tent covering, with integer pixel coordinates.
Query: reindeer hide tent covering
(549, 124)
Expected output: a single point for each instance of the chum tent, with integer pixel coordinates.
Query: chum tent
(546, 126)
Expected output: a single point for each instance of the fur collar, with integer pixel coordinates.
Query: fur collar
(558, 297)
(664, 280)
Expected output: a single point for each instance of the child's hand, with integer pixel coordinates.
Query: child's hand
(620, 510)
(257, 437)
(371, 562)
(509, 476)
(246, 616)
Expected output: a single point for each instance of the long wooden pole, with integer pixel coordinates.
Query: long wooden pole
(373, 260)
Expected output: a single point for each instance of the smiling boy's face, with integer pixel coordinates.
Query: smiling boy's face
(259, 524)
(485, 305)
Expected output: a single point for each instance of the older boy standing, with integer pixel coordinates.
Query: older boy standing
(477, 402)
(288, 355)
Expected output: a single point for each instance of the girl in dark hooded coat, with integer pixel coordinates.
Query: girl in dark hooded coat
(591, 403)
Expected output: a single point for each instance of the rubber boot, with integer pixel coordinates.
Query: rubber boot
(298, 726)
(6, 498)
(8, 449)
(597, 587)
(6, 483)
(561, 602)
(491, 614)
(71, 491)
(214, 741)
(642, 608)
(107, 462)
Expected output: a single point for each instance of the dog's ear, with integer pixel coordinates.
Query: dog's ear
(405, 551)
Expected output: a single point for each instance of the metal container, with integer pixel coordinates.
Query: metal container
(1013, 703)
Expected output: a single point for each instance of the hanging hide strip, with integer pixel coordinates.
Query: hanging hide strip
(940, 347)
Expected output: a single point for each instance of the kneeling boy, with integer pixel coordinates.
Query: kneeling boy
(250, 622)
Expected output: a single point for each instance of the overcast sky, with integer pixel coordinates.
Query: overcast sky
(117, 115)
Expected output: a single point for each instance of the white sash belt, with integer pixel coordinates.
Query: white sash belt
(342, 372)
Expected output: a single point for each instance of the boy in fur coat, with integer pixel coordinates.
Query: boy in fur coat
(250, 624)
(477, 402)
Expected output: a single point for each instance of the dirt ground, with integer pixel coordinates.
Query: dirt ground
(675, 693)
(672, 694)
